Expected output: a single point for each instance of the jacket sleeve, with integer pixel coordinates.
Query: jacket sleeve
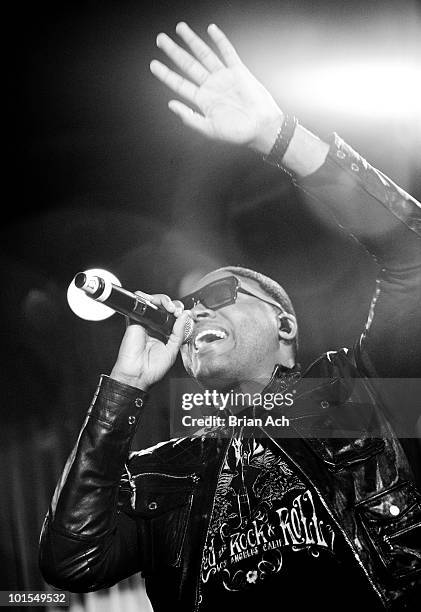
(87, 542)
(387, 222)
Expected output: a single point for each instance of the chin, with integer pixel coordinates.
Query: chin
(216, 375)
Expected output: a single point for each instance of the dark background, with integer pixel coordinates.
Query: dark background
(101, 174)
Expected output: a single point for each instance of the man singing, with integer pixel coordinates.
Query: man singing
(236, 518)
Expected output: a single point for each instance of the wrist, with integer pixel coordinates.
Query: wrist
(268, 132)
(296, 150)
(139, 382)
(282, 142)
(306, 152)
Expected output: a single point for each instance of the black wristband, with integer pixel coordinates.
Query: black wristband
(283, 138)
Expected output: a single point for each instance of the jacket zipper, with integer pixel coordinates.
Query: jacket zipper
(193, 477)
(177, 561)
(198, 593)
(401, 532)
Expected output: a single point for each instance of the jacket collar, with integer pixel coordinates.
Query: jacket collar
(282, 378)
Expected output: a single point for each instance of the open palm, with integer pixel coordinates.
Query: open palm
(231, 103)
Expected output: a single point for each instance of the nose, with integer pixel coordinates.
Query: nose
(201, 312)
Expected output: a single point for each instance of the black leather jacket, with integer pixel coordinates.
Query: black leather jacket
(103, 527)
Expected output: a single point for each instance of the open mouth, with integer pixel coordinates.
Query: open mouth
(208, 336)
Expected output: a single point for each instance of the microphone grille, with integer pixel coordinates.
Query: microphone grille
(188, 329)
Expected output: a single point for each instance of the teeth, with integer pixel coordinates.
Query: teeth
(208, 332)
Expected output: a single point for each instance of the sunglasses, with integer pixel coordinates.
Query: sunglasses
(220, 293)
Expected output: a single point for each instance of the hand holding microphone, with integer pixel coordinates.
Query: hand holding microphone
(142, 358)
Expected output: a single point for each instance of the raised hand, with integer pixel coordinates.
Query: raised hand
(229, 102)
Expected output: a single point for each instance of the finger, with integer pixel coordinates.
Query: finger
(227, 50)
(163, 300)
(134, 340)
(204, 54)
(159, 299)
(190, 117)
(174, 81)
(177, 336)
(186, 62)
(147, 296)
(179, 307)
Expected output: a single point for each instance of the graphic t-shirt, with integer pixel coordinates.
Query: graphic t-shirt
(271, 540)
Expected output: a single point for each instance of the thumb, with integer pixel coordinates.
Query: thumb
(134, 339)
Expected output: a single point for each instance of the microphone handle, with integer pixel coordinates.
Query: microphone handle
(156, 320)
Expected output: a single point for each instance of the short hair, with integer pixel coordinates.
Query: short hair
(269, 286)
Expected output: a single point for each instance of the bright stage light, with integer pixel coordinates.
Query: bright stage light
(84, 306)
(366, 68)
(365, 88)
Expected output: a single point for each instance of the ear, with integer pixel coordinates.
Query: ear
(287, 326)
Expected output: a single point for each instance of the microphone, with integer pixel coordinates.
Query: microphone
(156, 320)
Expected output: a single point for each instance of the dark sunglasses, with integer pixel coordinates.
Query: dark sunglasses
(220, 293)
